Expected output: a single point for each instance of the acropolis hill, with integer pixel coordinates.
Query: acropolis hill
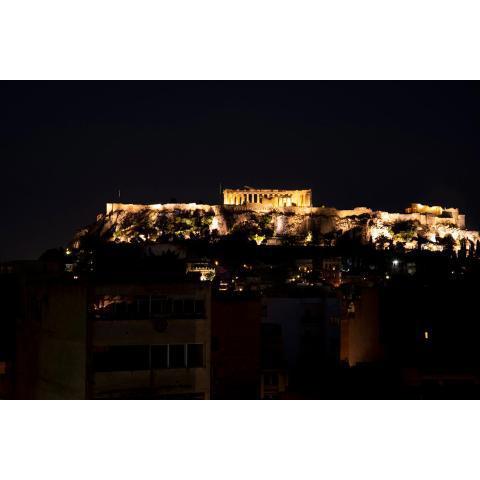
(273, 216)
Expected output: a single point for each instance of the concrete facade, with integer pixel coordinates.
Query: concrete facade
(236, 329)
(360, 330)
(52, 342)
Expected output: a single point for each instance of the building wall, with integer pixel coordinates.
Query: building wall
(10, 302)
(135, 207)
(51, 342)
(236, 328)
(361, 341)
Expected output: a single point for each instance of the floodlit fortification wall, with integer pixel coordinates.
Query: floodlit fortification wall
(136, 207)
(354, 212)
(424, 218)
(425, 226)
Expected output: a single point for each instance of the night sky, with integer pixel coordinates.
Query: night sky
(67, 147)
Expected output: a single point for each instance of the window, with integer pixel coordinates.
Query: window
(157, 306)
(132, 309)
(200, 307)
(121, 358)
(176, 357)
(177, 307)
(159, 356)
(143, 307)
(120, 309)
(195, 355)
(271, 379)
(188, 307)
(145, 357)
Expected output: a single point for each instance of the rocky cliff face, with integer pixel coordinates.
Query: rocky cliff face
(159, 223)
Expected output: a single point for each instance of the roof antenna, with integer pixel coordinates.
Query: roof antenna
(119, 195)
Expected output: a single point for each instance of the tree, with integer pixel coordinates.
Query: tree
(382, 242)
(404, 230)
(448, 244)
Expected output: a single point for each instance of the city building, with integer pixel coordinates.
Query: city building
(108, 335)
(150, 340)
(304, 331)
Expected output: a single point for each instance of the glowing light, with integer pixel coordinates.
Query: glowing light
(395, 263)
(214, 225)
(68, 251)
(425, 334)
(258, 239)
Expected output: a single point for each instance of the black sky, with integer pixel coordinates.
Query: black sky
(66, 147)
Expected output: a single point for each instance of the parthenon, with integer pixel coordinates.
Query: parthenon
(267, 197)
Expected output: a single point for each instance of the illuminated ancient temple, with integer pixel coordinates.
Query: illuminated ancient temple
(267, 197)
